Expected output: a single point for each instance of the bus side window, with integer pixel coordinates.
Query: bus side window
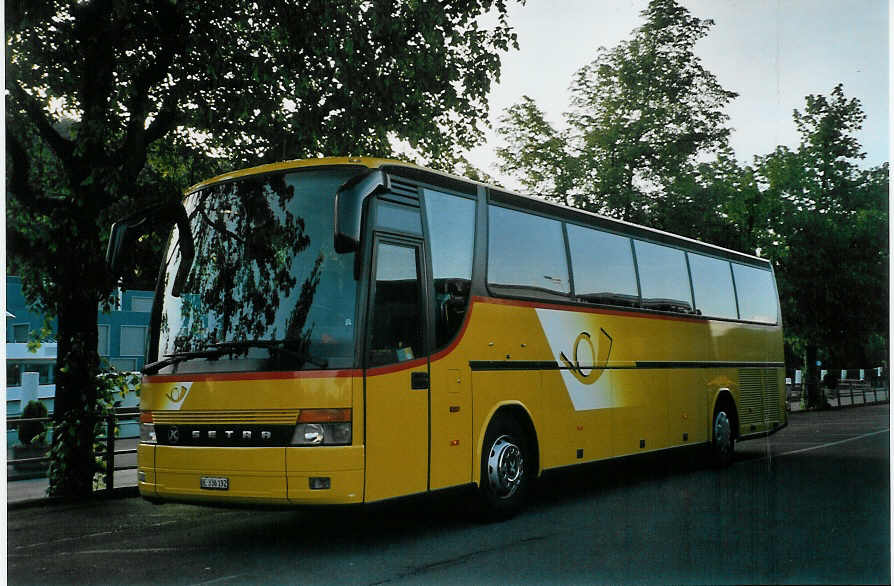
(451, 236)
(663, 277)
(526, 255)
(712, 282)
(756, 293)
(602, 265)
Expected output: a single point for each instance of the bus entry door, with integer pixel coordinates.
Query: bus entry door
(397, 372)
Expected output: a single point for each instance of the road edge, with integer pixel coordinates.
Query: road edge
(118, 493)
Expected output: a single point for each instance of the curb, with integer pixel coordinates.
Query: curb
(117, 493)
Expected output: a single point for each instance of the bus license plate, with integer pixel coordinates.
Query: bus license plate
(215, 483)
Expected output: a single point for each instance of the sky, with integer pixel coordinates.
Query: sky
(773, 53)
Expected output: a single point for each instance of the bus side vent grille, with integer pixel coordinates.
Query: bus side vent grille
(402, 188)
(751, 388)
(772, 406)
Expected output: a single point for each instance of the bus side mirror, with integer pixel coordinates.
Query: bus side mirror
(349, 203)
(154, 219)
(119, 238)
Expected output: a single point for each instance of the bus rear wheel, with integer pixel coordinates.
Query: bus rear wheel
(505, 468)
(723, 442)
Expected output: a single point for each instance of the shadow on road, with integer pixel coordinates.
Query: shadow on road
(415, 518)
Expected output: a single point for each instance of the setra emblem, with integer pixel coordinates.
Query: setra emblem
(173, 434)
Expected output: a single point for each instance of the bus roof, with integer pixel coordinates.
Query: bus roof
(370, 162)
(497, 194)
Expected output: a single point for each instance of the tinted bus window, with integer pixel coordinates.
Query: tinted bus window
(396, 333)
(451, 231)
(756, 294)
(526, 254)
(398, 217)
(712, 284)
(663, 277)
(602, 265)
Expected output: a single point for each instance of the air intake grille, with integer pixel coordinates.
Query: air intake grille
(772, 403)
(750, 396)
(268, 416)
(759, 396)
(404, 188)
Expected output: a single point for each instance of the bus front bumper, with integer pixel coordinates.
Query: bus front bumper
(278, 476)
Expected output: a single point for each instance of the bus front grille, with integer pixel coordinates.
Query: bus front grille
(247, 417)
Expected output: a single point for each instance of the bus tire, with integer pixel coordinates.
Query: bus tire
(505, 467)
(723, 440)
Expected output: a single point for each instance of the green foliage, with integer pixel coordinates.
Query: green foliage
(537, 154)
(112, 385)
(646, 140)
(830, 249)
(114, 105)
(33, 432)
(36, 338)
(641, 113)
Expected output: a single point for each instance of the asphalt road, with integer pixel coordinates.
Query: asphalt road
(810, 504)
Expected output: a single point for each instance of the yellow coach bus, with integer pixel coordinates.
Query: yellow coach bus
(350, 330)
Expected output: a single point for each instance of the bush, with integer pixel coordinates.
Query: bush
(33, 431)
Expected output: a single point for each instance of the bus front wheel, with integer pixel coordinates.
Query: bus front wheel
(505, 467)
(723, 443)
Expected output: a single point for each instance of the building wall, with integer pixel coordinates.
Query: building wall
(127, 329)
(122, 332)
(26, 319)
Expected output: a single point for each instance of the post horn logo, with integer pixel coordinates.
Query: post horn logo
(177, 393)
(589, 374)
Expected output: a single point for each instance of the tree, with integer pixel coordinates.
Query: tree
(829, 241)
(538, 155)
(141, 82)
(641, 114)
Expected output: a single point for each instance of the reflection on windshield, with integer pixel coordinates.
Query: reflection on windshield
(264, 269)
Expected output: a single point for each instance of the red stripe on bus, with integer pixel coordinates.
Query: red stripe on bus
(377, 370)
(239, 376)
(459, 336)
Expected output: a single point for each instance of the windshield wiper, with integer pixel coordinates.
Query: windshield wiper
(216, 350)
(178, 357)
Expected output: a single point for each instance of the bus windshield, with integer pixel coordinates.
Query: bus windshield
(266, 291)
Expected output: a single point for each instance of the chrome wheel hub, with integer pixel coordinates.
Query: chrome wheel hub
(505, 467)
(722, 434)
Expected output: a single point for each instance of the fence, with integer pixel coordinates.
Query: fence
(31, 464)
(846, 393)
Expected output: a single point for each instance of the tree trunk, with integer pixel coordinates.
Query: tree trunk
(72, 466)
(812, 378)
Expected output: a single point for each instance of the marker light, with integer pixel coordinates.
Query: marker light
(147, 428)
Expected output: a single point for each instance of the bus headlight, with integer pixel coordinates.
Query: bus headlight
(309, 433)
(322, 434)
(323, 427)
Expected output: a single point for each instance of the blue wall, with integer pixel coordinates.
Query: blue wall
(16, 305)
(134, 312)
